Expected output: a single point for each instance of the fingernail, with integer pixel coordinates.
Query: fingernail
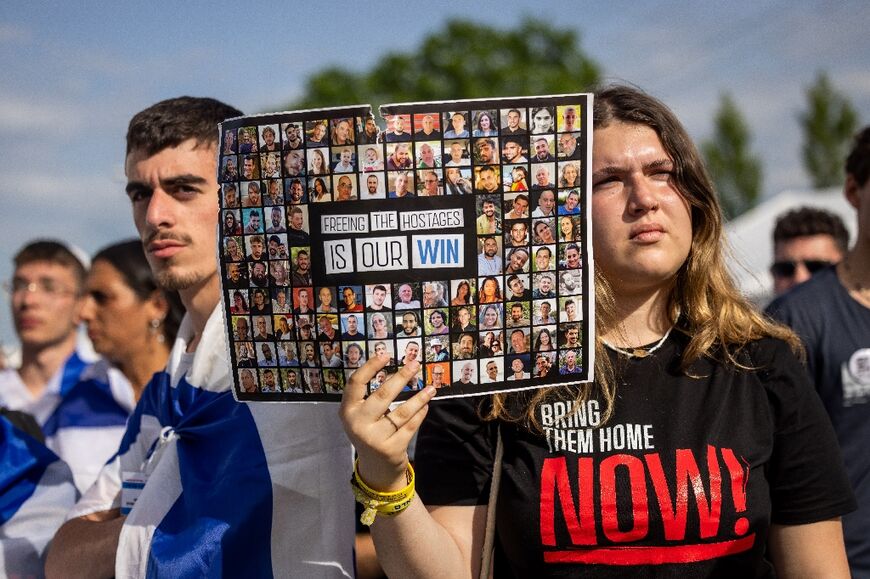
(430, 390)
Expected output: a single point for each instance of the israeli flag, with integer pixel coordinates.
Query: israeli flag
(16, 396)
(233, 489)
(36, 491)
(87, 426)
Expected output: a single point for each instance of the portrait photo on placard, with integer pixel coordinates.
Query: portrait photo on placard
(371, 186)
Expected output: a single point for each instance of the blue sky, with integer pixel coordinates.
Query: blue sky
(74, 73)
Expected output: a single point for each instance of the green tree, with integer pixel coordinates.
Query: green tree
(735, 170)
(828, 125)
(463, 60)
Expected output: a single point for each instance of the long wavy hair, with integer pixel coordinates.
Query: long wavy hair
(704, 303)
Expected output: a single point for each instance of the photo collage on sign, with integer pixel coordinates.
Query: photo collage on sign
(516, 318)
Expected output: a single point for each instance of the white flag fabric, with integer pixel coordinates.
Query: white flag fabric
(86, 427)
(36, 491)
(233, 489)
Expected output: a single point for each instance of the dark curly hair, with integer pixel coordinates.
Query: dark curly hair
(806, 221)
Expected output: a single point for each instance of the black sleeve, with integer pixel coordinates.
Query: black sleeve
(807, 480)
(454, 454)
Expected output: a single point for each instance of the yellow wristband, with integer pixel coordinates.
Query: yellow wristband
(375, 502)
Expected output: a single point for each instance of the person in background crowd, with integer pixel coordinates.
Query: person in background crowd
(805, 240)
(132, 324)
(37, 492)
(47, 294)
(831, 314)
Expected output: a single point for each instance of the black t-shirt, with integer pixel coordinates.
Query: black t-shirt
(836, 332)
(683, 481)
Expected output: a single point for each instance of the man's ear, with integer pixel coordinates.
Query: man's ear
(850, 189)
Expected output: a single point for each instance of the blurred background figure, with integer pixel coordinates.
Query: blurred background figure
(132, 324)
(47, 295)
(805, 240)
(831, 314)
(36, 492)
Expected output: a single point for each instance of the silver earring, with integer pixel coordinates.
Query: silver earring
(155, 329)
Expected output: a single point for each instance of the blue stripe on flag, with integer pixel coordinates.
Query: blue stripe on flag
(89, 404)
(71, 371)
(221, 524)
(23, 461)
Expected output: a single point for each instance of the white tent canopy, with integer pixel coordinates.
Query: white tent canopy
(751, 235)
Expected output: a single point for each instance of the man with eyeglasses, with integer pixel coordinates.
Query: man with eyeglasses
(47, 296)
(430, 184)
(436, 376)
(805, 240)
(433, 295)
(831, 314)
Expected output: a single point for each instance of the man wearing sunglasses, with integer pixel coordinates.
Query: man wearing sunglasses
(805, 240)
(831, 314)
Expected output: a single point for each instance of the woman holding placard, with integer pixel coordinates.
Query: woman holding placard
(700, 450)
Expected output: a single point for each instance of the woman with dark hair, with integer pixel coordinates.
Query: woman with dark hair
(543, 232)
(231, 224)
(484, 126)
(486, 344)
(543, 120)
(132, 323)
(567, 228)
(740, 475)
(436, 321)
(463, 294)
(496, 346)
(319, 193)
(240, 304)
(490, 291)
(544, 341)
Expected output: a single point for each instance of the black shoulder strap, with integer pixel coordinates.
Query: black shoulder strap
(489, 536)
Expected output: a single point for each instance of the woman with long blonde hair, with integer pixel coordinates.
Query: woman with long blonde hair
(700, 449)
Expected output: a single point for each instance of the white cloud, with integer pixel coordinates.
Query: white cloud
(66, 197)
(19, 114)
